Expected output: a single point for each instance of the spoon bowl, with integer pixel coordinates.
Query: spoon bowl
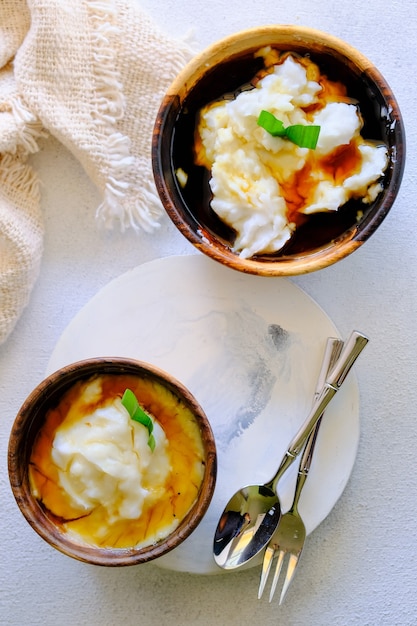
(251, 516)
(249, 520)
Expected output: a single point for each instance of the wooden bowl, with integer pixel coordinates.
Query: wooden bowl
(31, 418)
(223, 68)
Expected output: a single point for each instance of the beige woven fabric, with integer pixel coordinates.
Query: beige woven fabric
(91, 73)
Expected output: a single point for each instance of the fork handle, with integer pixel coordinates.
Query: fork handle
(331, 354)
(350, 352)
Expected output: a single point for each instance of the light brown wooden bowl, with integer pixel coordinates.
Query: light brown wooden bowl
(223, 68)
(30, 419)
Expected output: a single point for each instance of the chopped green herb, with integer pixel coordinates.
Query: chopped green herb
(138, 414)
(302, 136)
(151, 442)
(271, 124)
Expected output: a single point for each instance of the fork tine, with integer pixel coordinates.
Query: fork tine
(292, 564)
(278, 567)
(266, 566)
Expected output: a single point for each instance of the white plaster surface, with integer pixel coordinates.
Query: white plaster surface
(360, 565)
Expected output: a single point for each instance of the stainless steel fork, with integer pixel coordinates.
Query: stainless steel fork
(290, 534)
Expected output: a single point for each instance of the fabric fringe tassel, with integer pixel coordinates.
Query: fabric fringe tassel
(15, 173)
(143, 209)
(108, 108)
(143, 212)
(28, 128)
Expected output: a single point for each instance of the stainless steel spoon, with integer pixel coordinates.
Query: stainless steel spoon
(252, 514)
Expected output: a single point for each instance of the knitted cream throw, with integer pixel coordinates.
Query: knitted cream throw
(92, 73)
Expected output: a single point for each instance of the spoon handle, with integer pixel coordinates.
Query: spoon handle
(350, 352)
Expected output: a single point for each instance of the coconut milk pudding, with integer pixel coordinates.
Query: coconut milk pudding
(265, 186)
(112, 478)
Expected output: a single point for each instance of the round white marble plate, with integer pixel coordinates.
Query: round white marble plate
(249, 348)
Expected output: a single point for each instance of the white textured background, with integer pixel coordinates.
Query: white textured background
(360, 565)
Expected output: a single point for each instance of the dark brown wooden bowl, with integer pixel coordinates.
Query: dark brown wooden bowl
(30, 419)
(223, 68)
